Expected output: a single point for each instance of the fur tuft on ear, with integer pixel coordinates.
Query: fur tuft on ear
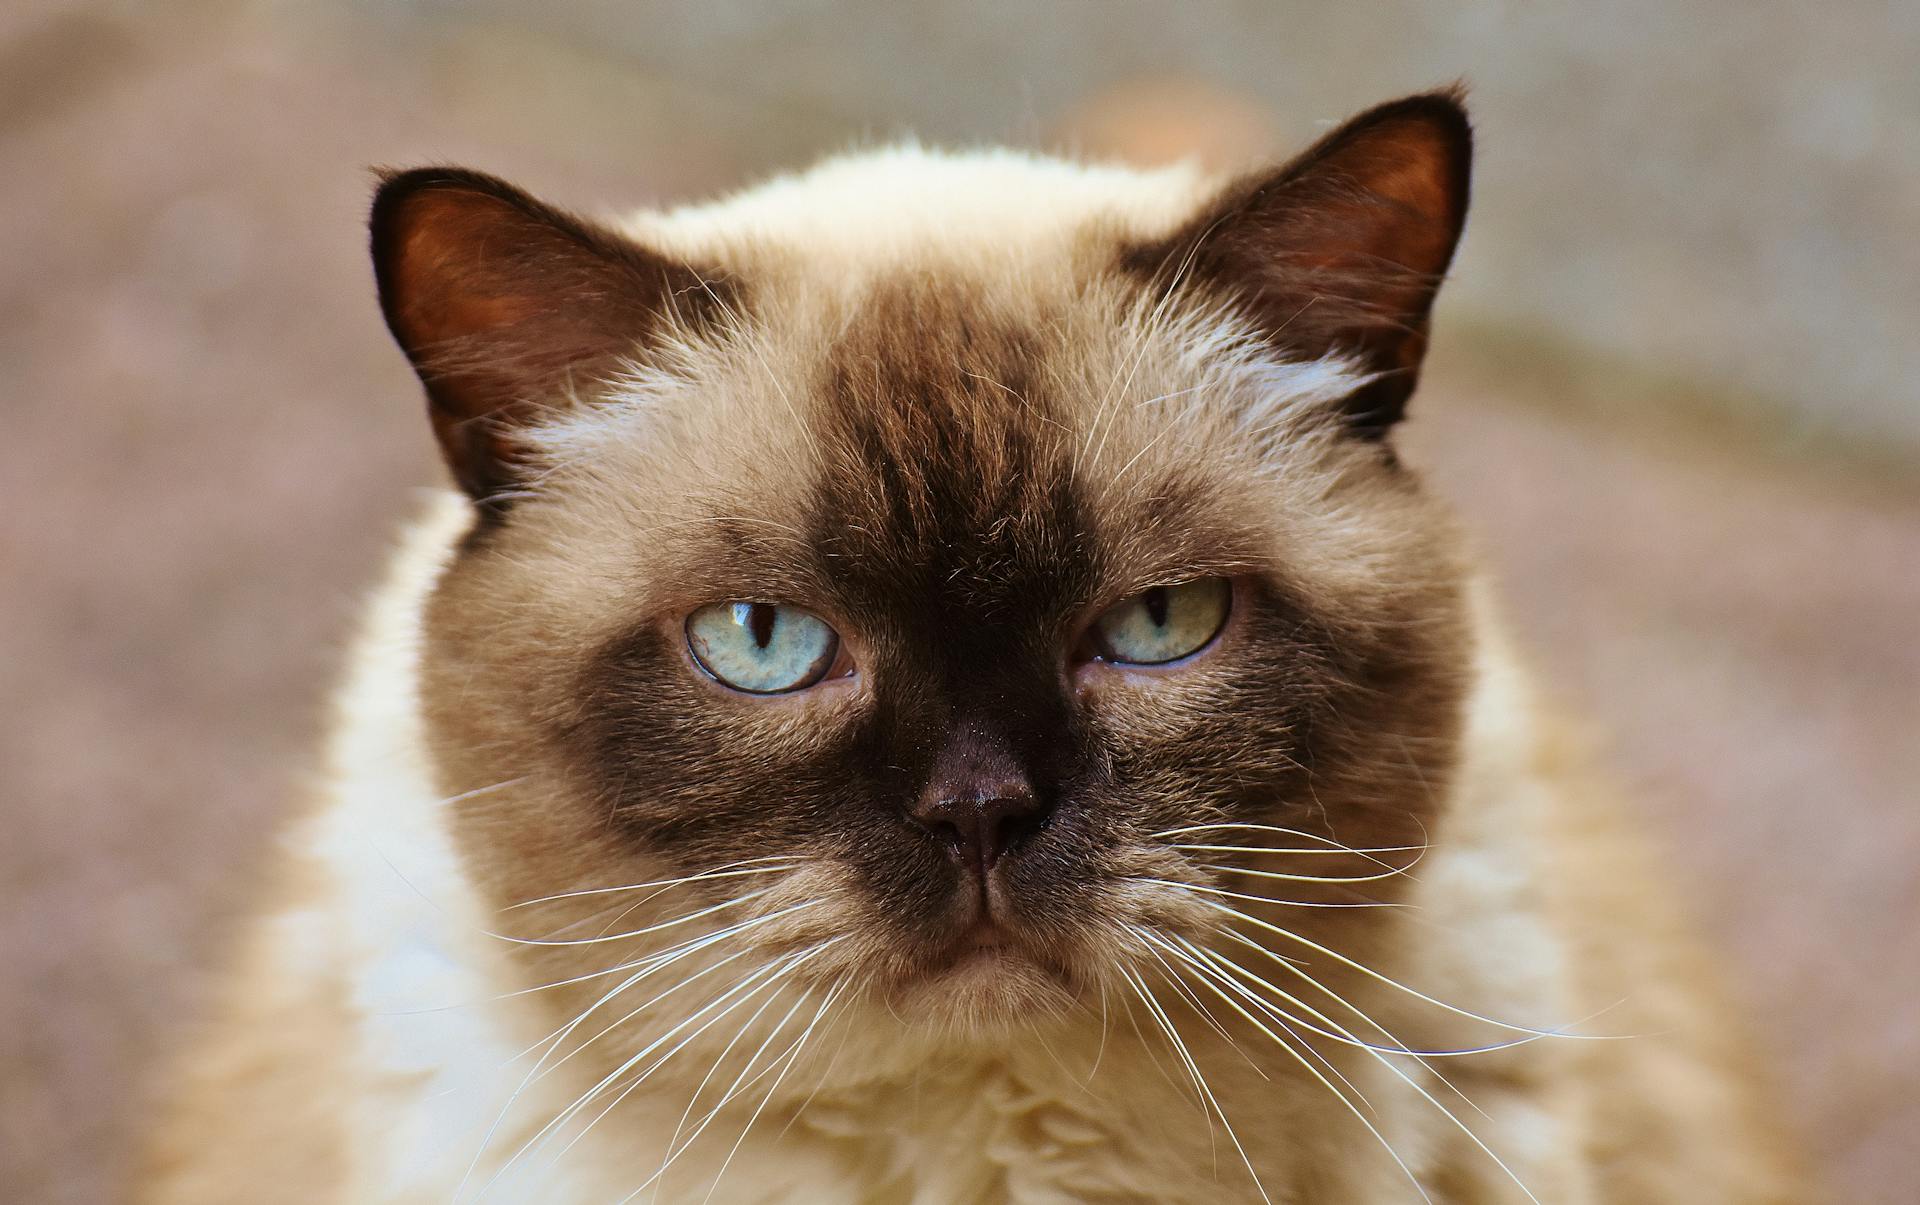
(504, 304)
(1342, 249)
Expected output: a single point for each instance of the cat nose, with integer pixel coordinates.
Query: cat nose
(979, 825)
(978, 800)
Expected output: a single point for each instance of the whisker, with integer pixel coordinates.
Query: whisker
(773, 975)
(750, 984)
(1315, 1072)
(721, 872)
(671, 954)
(741, 1083)
(1180, 986)
(826, 1073)
(1373, 974)
(1133, 1023)
(619, 917)
(792, 1057)
(1101, 1051)
(1283, 903)
(1165, 430)
(676, 954)
(672, 1152)
(631, 933)
(477, 792)
(1246, 826)
(1280, 1017)
(1249, 826)
(1155, 1014)
(719, 1059)
(553, 1041)
(1344, 1036)
(1304, 878)
(647, 966)
(1297, 852)
(1379, 1056)
(1193, 1068)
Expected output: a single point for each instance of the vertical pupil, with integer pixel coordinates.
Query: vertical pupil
(760, 622)
(1156, 604)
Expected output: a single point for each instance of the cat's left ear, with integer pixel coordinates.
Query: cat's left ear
(1342, 250)
(508, 307)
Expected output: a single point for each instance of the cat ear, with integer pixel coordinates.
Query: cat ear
(1342, 250)
(504, 304)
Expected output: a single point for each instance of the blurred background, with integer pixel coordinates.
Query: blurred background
(1675, 388)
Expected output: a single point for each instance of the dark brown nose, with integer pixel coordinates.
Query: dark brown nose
(977, 829)
(977, 802)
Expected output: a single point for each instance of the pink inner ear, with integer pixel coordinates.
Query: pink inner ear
(1409, 166)
(1340, 251)
(449, 277)
(500, 301)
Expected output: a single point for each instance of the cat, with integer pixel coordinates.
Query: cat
(936, 686)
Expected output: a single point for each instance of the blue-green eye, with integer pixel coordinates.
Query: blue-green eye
(761, 648)
(1163, 624)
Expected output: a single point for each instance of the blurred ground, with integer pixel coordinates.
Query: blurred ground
(208, 441)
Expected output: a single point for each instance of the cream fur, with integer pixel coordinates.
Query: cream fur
(869, 212)
(372, 1006)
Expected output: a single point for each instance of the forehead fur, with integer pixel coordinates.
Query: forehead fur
(856, 216)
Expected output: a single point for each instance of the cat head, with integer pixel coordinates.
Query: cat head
(966, 572)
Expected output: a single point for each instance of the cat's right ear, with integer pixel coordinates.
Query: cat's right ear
(506, 306)
(1341, 251)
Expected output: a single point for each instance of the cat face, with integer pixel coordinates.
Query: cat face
(967, 599)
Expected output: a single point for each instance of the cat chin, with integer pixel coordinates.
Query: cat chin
(983, 995)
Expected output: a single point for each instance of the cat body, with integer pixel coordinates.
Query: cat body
(1156, 813)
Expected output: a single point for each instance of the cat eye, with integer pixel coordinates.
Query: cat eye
(1163, 624)
(761, 648)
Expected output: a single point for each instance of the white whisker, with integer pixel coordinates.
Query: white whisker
(631, 933)
(1295, 852)
(1287, 877)
(646, 966)
(1373, 974)
(750, 984)
(721, 872)
(771, 976)
(1210, 982)
(1332, 846)
(791, 1057)
(1281, 903)
(1398, 1047)
(1380, 1056)
(676, 954)
(741, 1083)
(1200, 1082)
(1346, 1036)
(1180, 986)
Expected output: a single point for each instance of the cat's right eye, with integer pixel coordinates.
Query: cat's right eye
(1164, 624)
(761, 648)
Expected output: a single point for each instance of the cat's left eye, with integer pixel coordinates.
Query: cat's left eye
(1163, 624)
(761, 648)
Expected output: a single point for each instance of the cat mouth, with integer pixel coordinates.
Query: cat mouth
(982, 942)
(985, 981)
(989, 951)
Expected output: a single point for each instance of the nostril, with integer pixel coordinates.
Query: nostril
(977, 832)
(1005, 822)
(945, 833)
